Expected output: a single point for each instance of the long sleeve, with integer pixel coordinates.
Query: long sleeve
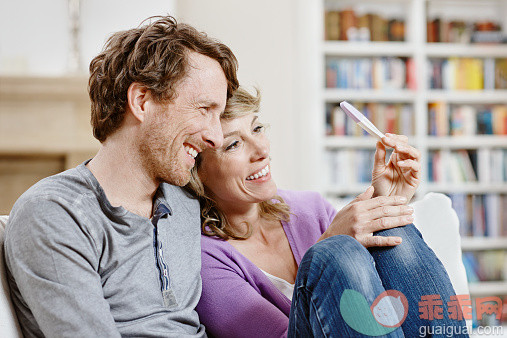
(52, 261)
(231, 307)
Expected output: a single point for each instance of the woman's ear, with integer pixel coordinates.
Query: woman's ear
(137, 97)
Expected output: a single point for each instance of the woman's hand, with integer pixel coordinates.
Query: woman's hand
(401, 175)
(366, 215)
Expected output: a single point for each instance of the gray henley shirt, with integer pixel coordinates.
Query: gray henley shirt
(79, 267)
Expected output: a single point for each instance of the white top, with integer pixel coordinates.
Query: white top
(281, 284)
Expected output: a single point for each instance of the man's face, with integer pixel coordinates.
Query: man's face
(174, 133)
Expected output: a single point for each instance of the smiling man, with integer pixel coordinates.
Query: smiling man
(112, 247)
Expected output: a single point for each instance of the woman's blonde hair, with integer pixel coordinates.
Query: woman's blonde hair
(214, 221)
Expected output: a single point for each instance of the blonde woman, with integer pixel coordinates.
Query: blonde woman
(275, 263)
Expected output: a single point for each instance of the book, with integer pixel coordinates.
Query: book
(338, 121)
(492, 214)
(501, 73)
(411, 72)
(478, 217)
(396, 30)
(465, 160)
(489, 73)
(485, 122)
(499, 119)
(332, 25)
(379, 28)
(438, 119)
(458, 201)
(347, 21)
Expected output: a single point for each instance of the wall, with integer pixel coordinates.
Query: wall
(262, 35)
(35, 37)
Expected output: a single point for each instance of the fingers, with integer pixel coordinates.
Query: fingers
(384, 223)
(380, 157)
(400, 144)
(391, 211)
(381, 241)
(407, 151)
(365, 195)
(391, 140)
(381, 201)
(410, 165)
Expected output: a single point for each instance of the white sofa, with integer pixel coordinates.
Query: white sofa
(434, 217)
(9, 326)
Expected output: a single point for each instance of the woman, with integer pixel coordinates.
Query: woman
(263, 247)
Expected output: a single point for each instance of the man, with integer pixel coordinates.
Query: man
(107, 248)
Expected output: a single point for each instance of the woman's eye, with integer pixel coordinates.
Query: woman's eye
(232, 145)
(258, 129)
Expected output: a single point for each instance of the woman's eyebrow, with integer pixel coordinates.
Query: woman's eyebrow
(236, 131)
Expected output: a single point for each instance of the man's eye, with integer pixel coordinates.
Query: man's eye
(232, 145)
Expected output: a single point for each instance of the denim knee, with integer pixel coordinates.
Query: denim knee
(408, 252)
(337, 248)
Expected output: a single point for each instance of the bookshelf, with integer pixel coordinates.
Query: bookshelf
(421, 58)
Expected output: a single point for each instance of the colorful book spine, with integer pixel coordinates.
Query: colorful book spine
(466, 120)
(368, 73)
(459, 166)
(347, 25)
(467, 73)
(391, 118)
(481, 215)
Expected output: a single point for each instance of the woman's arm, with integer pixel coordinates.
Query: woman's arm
(232, 307)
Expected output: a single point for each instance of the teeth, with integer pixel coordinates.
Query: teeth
(191, 151)
(261, 173)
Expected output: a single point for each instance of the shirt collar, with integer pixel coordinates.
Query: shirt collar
(160, 207)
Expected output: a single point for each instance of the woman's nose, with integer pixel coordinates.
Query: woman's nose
(261, 150)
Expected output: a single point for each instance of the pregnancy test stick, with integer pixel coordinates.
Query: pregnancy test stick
(360, 119)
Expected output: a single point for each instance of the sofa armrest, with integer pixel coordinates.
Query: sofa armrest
(439, 224)
(9, 326)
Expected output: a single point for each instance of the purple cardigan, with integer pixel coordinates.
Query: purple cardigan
(238, 300)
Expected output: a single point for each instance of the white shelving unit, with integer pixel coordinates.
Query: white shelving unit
(415, 47)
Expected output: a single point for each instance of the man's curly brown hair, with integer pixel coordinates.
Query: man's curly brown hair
(155, 55)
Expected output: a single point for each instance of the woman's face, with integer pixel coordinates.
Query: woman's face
(239, 171)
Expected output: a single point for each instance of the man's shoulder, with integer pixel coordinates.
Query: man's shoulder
(179, 197)
(64, 187)
(64, 196)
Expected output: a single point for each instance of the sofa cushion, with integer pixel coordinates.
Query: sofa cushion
(439, 224)
(9, 327)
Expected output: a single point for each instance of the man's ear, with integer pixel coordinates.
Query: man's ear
(137, 97)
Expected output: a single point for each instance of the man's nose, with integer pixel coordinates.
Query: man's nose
(213, 135)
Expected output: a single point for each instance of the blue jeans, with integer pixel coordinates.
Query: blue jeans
(339, 263)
